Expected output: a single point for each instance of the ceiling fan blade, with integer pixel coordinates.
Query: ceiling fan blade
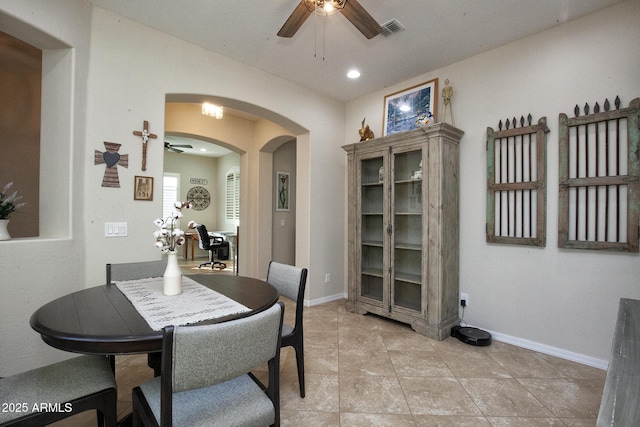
(361, 19)
(175, 150)
(295, 20)
(182, 145)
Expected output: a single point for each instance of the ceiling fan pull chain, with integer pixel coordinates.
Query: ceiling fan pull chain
(324, 34)
(315, 34)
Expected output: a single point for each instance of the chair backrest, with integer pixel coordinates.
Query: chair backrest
(211, 354)
(203, 237)
(290, 281)
(206, 241)
(135, 270)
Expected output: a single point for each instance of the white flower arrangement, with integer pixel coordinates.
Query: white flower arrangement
(168, 235)
(8, 204)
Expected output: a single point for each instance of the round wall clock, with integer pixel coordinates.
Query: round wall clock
(199, 198)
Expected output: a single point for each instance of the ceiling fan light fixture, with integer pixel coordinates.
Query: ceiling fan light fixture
(212, 110)
(324, 7)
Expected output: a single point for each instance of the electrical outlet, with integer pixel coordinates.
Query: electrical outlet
(465, 298)
(327, 278)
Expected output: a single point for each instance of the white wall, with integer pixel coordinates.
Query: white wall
(38, 270)
(564, 299)
(131, 70)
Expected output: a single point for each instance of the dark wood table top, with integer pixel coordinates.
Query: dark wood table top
(102, 320)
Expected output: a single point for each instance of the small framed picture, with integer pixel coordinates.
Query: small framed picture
(282, 191)
(410, 108)
(143, 188)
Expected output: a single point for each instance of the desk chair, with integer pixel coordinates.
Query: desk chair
(211, 244)
(79, 384)
(290, 282)
(206, 375)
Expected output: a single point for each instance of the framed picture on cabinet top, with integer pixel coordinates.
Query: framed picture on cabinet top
(143, 188)
(410, 108)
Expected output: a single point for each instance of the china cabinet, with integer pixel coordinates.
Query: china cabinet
(403, 228)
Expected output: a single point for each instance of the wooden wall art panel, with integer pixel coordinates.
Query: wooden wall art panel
(599, 168)
(516, 182)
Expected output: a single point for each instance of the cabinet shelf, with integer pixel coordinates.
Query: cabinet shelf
(408, 181)
(411, 304)
(375, 272)
(408, 246)
(373, 243)
(409, 278)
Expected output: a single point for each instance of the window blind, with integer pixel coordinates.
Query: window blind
(232, 210)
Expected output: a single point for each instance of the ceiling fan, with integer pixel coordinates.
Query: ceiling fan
(351, 9)
(172, 147)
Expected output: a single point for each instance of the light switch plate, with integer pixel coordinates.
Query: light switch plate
(115, 229)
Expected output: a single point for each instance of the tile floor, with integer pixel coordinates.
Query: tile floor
(368, 371)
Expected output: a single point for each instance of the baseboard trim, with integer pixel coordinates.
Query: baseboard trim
(552, 351)
(311, 303)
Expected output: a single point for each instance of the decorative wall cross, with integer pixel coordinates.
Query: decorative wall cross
(145, 138)
(112, 159)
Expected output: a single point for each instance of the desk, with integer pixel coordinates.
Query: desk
(101, 320)
(190, 239)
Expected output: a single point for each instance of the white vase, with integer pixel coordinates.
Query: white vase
(172, 275)
(4, 233)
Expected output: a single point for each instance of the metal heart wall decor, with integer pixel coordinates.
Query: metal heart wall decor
(111, 158)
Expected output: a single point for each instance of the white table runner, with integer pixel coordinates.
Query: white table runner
(195, 304)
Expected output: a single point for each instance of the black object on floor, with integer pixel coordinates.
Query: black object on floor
(472, 336)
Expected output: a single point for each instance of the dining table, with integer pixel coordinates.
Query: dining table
(101, 320)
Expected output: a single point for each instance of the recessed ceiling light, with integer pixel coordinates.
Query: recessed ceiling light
(353, 74)
(203, 149)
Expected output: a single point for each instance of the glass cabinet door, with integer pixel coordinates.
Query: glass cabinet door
(407, 256)
(372, 232)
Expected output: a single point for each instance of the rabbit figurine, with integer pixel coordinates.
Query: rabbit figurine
(365, 132)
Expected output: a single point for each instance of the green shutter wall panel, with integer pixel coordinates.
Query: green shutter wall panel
(516, 182)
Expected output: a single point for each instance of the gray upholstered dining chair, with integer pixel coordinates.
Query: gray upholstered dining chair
(135, 270)
(75, 385)
(206, 375)
(290, 282)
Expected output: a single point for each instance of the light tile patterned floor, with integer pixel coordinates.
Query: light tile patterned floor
(368, 371)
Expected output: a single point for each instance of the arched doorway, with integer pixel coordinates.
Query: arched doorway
(255, 140)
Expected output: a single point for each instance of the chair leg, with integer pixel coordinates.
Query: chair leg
(300, 363)
(106, 410)
(107, 417)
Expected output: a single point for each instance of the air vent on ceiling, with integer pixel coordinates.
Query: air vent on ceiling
(392, 27)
